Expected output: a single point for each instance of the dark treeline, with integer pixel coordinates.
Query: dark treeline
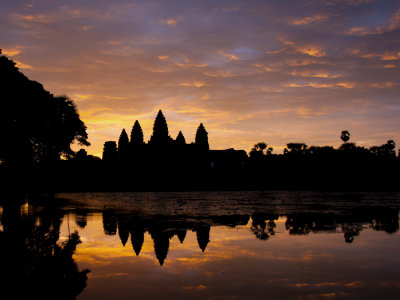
(38, 128)
(171, 164)
(349, 166)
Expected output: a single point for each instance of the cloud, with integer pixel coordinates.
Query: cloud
(194, 84)
(308, 20)
(391, 24)
(312, 51)
(383, 85)
(250, 70)
(13, 51)
(170, 22)
(228, 55)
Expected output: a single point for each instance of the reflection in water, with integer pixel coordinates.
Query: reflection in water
(163, 228)
(35, 263)
(254, 248)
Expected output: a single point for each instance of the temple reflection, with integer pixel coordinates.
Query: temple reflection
(36, 232)
(163, 228)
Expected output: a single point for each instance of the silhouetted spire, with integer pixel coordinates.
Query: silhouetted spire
(180, 139)
(122, 231)
(109, 223)
(160, 130)
(137, 239)
(181, 235)
(203, 237)
(123, 139)
(137, 134)
(123, 144)
(123, 235)
(202, 138)
(161, 245)
(110, 151)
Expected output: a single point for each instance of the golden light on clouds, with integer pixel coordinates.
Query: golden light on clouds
(312, 51)
(194, 83)
(228, 55)
(308, 20)
(383, 85)
(12, 51)
(216, 62)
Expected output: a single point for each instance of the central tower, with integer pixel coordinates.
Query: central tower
(160, 131)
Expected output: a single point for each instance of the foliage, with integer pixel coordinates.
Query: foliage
(35, 126)
(295, 148)
(345, 136)
(258, 150)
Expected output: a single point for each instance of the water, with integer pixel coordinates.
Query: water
(208, 245)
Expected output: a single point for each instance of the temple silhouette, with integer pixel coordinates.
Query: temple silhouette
(162, 149)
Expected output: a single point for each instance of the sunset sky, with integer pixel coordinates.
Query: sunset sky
(251, 71)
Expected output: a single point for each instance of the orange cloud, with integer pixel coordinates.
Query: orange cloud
(357, 30)
(22, 65)
(12, 51)
(170, 22)
(308, 20)
(347, 85)
(312, 51)
(311, 84)
(228, 55)
(311, 74)
(390, 56)
(302, 62)
(197, 288)
(194, 83)
(383, 85)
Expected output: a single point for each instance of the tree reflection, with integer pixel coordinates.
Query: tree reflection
(35, 263)
(263, 226)
(162, 228)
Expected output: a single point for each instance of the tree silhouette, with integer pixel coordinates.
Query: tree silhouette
(384, 151)
(137, 134)
(36, 125)
(345, 136)
(258, 150)
(160, 131)
(81, 154)
(299, 148)
(202, 138)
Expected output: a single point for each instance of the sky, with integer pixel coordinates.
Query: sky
(250, 71)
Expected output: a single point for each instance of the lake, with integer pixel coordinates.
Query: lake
(202, 245)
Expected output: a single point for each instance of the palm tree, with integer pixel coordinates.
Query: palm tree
(345, 136)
